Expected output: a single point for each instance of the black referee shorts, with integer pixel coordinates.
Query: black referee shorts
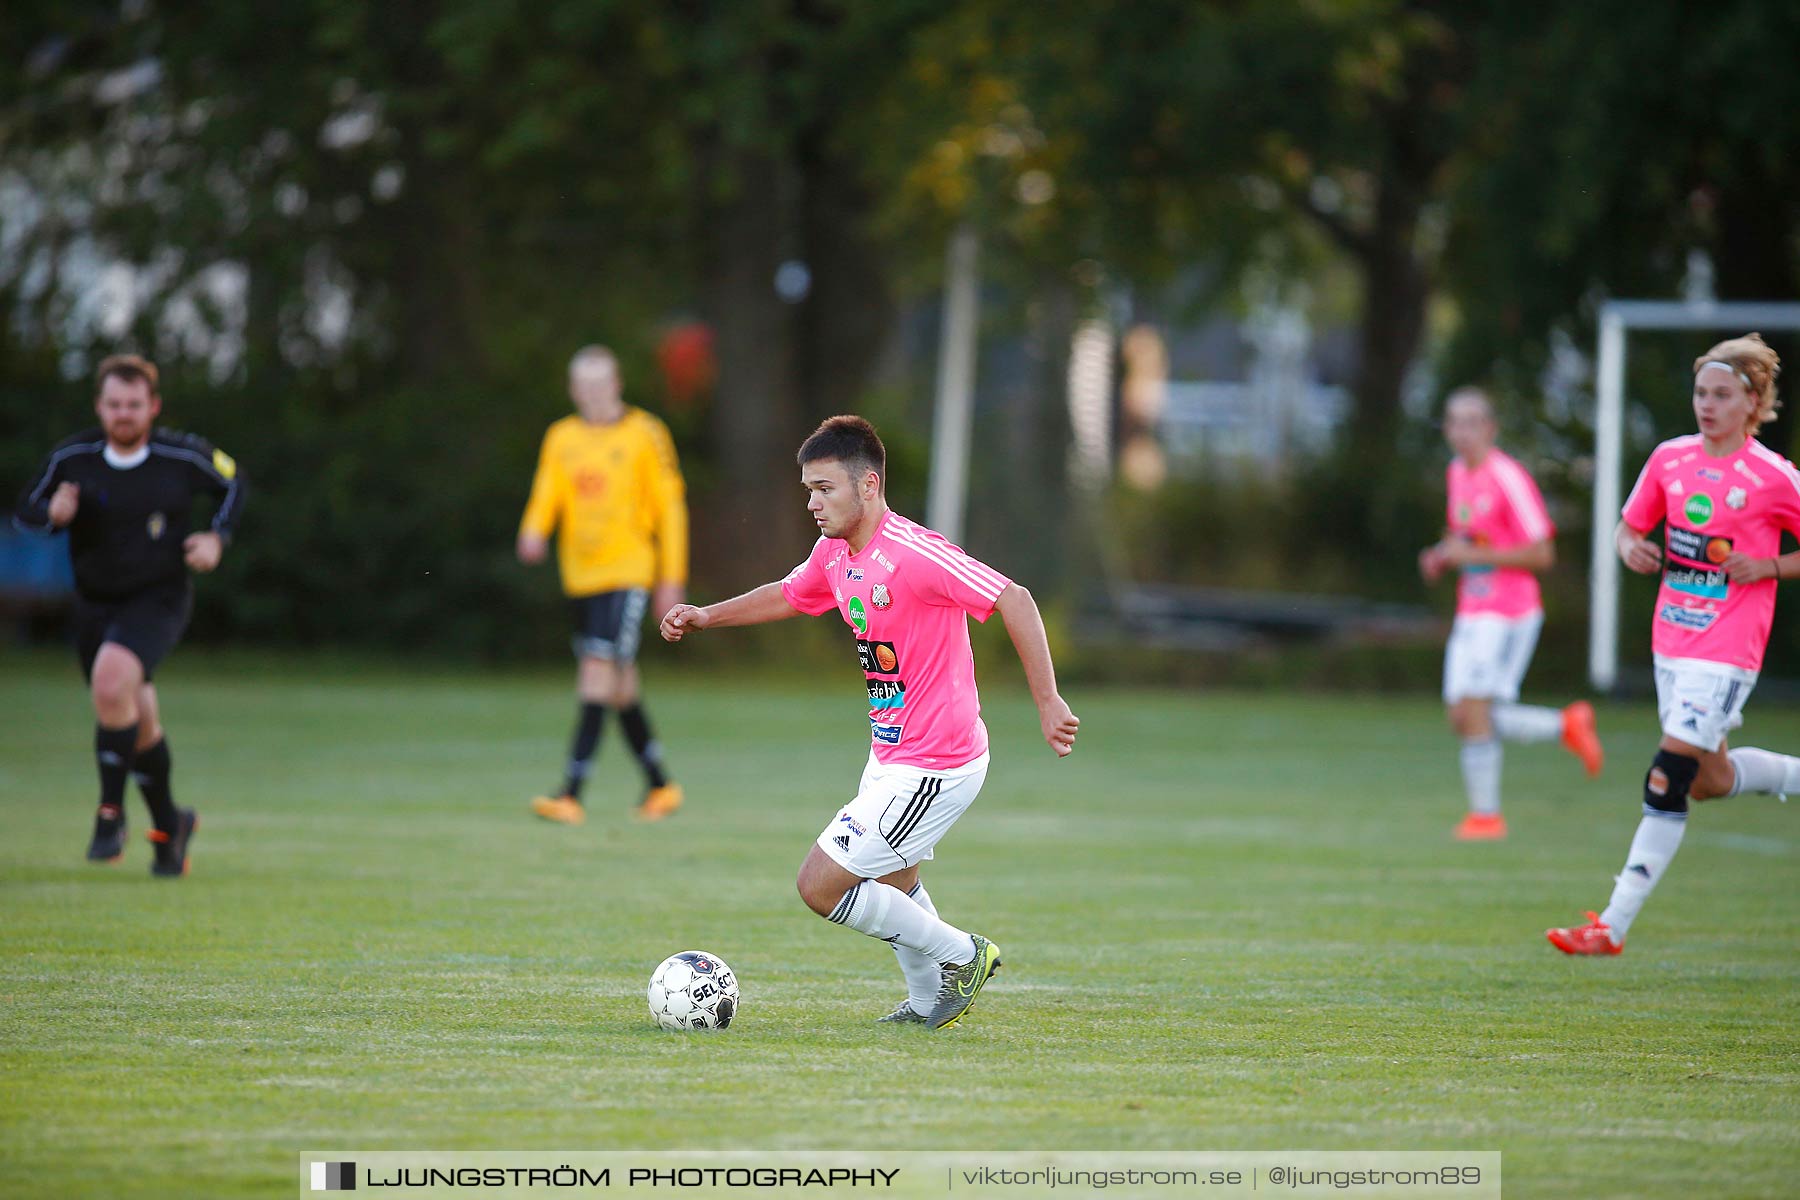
(607, 624)
(148, 624)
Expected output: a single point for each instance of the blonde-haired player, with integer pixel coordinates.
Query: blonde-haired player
(1499, 537)
(608, 483)
(1724, 499)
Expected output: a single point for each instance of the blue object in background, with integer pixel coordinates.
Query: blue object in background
(35, 567)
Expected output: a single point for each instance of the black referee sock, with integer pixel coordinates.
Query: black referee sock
(585, 745)
(151, 770)
(643, 744)
(112, 754)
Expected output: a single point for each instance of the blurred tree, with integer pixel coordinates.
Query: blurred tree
(1597, 174)
(1234, 133)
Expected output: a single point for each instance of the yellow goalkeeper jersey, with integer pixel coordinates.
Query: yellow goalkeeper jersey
(614, 494)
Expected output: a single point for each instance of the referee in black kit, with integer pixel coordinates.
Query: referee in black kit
(125, 492)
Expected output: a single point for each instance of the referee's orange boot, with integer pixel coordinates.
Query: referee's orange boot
(1481, 827)
(566, 810)
(1580, 737)
(659, 802)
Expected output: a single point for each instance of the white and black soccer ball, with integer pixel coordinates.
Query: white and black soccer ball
(694, 990)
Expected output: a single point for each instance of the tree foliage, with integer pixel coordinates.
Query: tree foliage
(364, 237)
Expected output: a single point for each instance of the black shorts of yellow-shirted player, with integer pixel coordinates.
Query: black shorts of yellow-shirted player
(607, 477)
(125, 493)
(907, 594)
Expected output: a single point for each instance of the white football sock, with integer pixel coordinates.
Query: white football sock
(1658, 838)
(1481, 774)
(884, 912)
(923, 975)
(1527, 722)
(1764, 771)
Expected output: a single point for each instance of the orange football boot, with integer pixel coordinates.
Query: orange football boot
(1592, 938)
(1581, 738)
(1481, 827)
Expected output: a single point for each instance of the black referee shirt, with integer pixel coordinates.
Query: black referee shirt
(127, 533)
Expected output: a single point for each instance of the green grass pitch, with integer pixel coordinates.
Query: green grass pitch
(1229, 922)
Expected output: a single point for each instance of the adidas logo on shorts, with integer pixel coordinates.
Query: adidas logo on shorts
(843, 843)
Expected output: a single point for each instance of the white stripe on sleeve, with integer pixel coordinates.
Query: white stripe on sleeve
(979, 577)
(1526, 505)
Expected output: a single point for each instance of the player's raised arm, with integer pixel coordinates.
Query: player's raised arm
(1026, 626)
(758, 607)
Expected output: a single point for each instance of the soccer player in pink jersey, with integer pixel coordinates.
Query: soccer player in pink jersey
(1499, 535)
(1724, 499)
(907, 593)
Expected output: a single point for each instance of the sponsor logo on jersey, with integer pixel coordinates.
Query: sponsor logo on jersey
(883, 559)
(1710, 474)
(880, 596)
(853, 574)
(888, 734)
(1696, 581)
(1686, 618)
(1694, 565)
(1743, 468)
(877, 658)
(1697, 547)
(856, 826)
(859, 616)
(1699, 508)
(1675, 489)
(156, 526)
(887, 694)
(1736, 498)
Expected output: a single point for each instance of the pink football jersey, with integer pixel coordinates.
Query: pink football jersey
(1496, 504)
(908, 596)
(1713, 507)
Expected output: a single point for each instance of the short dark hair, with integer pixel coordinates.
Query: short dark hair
(129, 367)
(852, 441)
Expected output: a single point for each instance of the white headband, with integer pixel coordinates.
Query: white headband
(1714, 362)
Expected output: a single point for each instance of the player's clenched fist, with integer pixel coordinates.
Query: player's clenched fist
(201, 551)
(63, 503)
(680, 619)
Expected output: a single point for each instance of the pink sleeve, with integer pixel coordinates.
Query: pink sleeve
(806, 587)
(952, 579)
(1646, 506)
(1790, 497)
(1526, 502)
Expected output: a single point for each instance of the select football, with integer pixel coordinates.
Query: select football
(693, 990)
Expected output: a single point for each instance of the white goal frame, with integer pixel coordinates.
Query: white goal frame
(1617, 318)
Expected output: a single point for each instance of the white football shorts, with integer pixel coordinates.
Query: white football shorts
(1699, 702)
(1487, 656)
(898, 815)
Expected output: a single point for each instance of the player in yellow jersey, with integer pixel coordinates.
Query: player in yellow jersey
(608, 483)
